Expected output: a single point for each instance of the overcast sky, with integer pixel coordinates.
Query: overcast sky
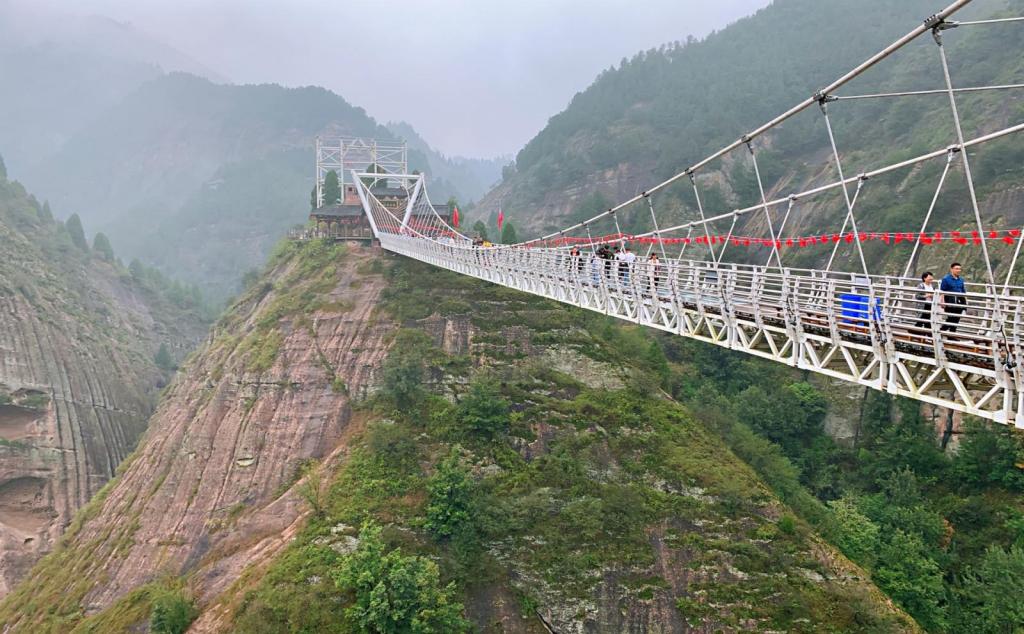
(474, 77)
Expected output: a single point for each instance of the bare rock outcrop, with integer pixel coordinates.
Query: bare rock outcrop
(77, 378)
(209, 492)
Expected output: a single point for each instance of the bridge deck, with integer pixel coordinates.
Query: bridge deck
(816, 320)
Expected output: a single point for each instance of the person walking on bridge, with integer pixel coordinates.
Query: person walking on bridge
(575, 261)
(923, 297)
(605, 253)
(954, 299)
(653, 273)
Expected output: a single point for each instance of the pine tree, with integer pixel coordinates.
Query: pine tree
(331, 189)
(163, 358)
(508, 233)
(46, 214)
(480, 229)
(101, 247)
(450, 505)
(3, 169)
(74, 225)
(137, 269)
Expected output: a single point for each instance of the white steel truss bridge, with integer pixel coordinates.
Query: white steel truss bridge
(962, 349)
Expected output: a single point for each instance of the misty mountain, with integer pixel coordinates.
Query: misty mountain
(60, 71)
(467, 178)
(198, 177)
(666, 108)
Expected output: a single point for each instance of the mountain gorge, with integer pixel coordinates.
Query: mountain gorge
(331, 399)
(364, 443)
(78, 378)
(465, 178)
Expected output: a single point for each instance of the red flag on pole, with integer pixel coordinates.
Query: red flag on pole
(501, 218)
(455, 216)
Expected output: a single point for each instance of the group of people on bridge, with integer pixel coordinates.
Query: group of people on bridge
(620, 268)
(952, 298)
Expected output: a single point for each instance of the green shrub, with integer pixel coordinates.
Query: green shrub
(404, 369)
(172, 612)
(397, 593)
(856, 534)
(787, 524)
(483, 413)
(450, 502)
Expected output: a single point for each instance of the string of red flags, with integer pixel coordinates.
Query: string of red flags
(891, 238)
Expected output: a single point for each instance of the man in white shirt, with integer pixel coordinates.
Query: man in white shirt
(628, 260)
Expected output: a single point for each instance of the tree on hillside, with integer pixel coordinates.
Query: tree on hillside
(907, 574)
(483, 412)
(988, 456)
(450, 505)
(331, 189)
(370, 182)
(508, 233)
(77, 233)
(137, 270)
(163, 358)
(992, 595)
(3, 168)
(101, 247)
(480, 229)
(393, 592)
(46, 214)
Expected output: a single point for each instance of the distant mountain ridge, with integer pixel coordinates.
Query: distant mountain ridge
(201, 179)
(467, 178)
(61, 70)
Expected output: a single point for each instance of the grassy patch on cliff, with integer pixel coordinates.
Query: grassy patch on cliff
(304, 274)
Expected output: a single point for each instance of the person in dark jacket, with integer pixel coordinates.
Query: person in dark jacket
(954, 298)
(605, 253)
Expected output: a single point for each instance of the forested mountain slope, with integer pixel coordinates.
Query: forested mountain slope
(79, 337)
(667, 108)
(512, 447)
(201, 179)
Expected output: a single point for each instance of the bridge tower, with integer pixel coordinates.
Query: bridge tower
(344, 154)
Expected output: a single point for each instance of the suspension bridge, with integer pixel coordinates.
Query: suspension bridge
(962, 351)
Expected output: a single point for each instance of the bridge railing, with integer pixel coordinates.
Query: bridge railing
(875, 311)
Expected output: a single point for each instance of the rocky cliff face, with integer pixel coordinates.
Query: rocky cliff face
(77, 378)
(209, 490)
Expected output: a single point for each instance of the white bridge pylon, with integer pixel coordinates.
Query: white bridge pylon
(963, 351)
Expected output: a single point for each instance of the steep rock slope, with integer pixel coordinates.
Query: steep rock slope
(77, 376)
(591, 502)
(208, 490)
(604, 508)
